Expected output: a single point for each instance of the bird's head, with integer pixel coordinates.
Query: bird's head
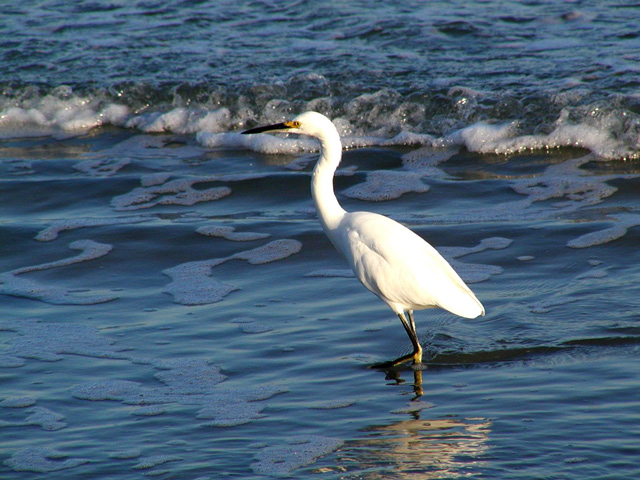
(309, 123)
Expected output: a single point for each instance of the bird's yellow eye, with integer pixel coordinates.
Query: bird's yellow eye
(292, 124)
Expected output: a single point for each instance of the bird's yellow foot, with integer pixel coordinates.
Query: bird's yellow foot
(417, 357)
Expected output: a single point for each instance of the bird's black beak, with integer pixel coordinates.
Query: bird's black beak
(278, 126)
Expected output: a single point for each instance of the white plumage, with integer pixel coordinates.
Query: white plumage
(390, 260)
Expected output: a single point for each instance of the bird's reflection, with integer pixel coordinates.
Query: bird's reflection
(419, 449)
(394, 369)
(395, 375)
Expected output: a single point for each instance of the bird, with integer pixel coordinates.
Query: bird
(389, 259)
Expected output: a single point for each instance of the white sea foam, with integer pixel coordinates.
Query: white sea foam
(145, 463)
(49, 342)
(545, 306)
(481, 137)
(504, 139)
(475, 273)
(89, 249)
(10, 361)
(182, 120)
(151, 411)
(45, 419)
(218, 414)
(190, 375)
(271, 252)
(53, 230)
(37, 416)
(424, 160)
(383, 185)
(65, 113)
(152, 179)
(332, 404)
(11, 283)
(192, 283)
(598, 273)
(52, 115)
(255, 327)
(18, 402)
(329, 273)
(102, 167)
(174, 192)
(229, 233)
(125, 454)
(42, 460)
(567, 180)
(572, 186)
(297, 452)
(623, 222)
(23, 287)
(193, 382)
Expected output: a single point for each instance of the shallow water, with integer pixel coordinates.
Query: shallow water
(164, 280)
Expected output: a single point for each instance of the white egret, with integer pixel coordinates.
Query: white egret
(390, 260)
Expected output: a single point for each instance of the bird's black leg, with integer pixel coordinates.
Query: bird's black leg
(416, 356)
(413, 323)
(417, 349)
(413, 336)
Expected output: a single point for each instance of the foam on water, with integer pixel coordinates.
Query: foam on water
(624, 221)
(37, 416)
(182, 120)
(572, 186)
(53, 230)
(49, 342)
(187, 382)
(332, 404)
(114, 157)
(229, 233)
(331, 272)
(384, 185)
(101, 167)
(255, 328)
(299, 451)
(152, 179)
(12, 284)
(249, 325)
(270, 252)
(125, 454)
(147, 463)
(174, 192)
(45, 419)
(382, 118)
(475, 273)
(192, 283)
(545, 306)
(42, 460)
(18, 402)
(60, 114)
(605, 134)
(424, 160)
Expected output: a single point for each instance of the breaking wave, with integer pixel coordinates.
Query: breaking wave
(487, 123)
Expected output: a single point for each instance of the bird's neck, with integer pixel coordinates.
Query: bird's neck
(329, 210)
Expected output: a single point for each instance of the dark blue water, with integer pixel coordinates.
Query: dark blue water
(165, 282)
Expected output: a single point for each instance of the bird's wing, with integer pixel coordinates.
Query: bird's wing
(401, 268)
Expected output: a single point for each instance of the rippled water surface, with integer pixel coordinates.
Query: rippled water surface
(165, 282)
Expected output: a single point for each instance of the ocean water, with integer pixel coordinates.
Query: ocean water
(172, 309)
